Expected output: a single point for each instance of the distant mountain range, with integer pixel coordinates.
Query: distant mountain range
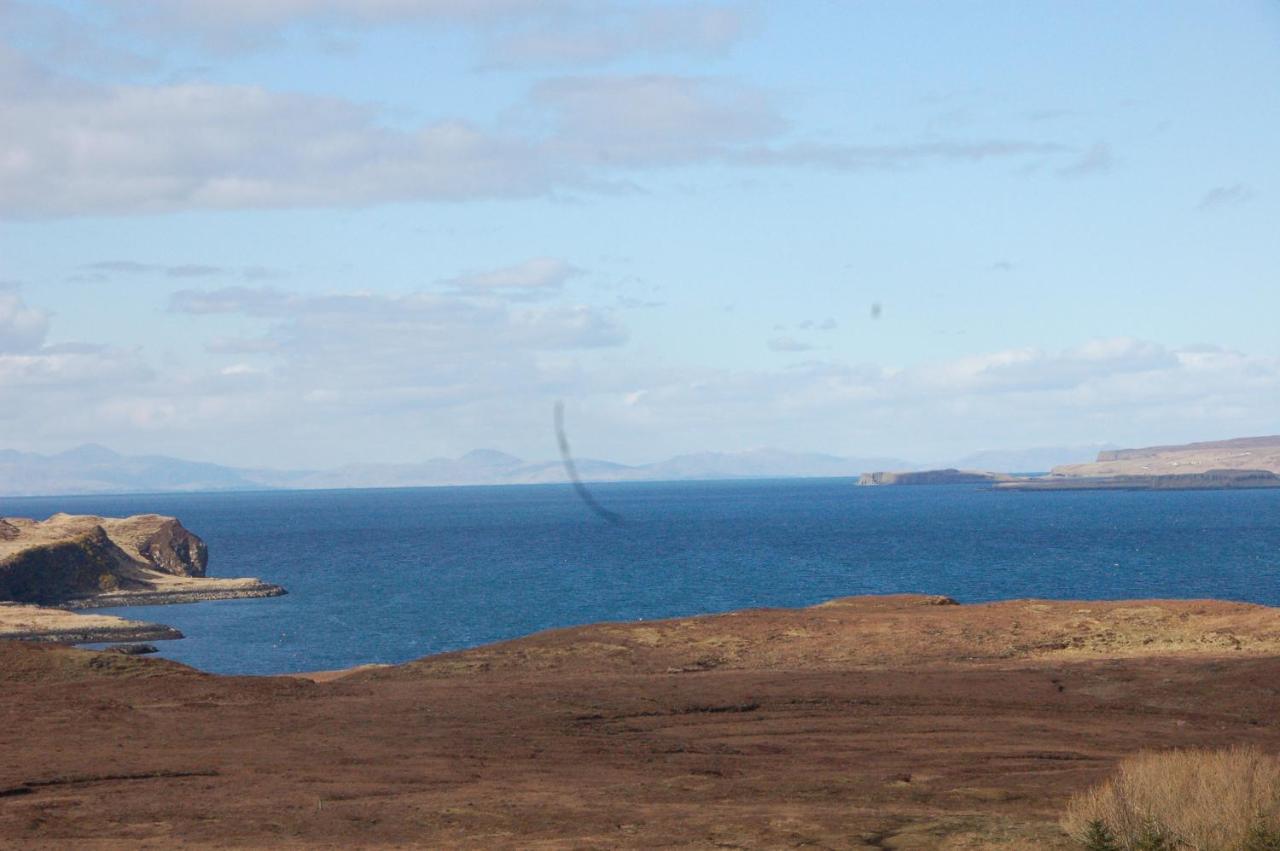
(94, 469)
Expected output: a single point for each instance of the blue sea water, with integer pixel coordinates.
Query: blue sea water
(391, 575)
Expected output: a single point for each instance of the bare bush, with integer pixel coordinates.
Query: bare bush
(1205, 800)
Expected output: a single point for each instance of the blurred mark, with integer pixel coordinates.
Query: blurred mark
(572, 471)
(876, 310)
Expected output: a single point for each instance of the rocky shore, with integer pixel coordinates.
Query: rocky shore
(81, 562)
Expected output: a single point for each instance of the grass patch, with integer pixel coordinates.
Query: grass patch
(1205, 800)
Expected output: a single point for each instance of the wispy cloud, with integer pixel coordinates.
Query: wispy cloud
(788, 344)
(888, 157)
(1224, 196)
(609, 34)
(1097, 159)
(538, 274)
(104, 270)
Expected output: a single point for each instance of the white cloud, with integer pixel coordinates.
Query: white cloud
(512, 32)
(540, 273)
(653, 119)
(43, 384)
(22, 328)
(466, 371)
(69, 147)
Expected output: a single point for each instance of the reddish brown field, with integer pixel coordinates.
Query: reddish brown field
(868, 723)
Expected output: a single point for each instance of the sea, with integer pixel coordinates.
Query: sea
(385, 576)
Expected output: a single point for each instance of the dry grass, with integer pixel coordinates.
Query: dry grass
(1207, 800)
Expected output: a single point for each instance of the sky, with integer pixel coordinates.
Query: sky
(303, 233)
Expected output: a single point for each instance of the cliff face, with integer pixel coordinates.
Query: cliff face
(160, 542)
(86, 560)
(51, 572)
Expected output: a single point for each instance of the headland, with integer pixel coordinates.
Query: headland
(80, 562)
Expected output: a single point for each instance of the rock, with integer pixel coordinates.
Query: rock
(171, 548)
(132, 649)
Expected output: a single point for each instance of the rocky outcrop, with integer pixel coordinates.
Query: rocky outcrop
(83, 561)
(934, 477)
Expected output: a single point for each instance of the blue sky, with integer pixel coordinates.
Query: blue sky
(308, 232)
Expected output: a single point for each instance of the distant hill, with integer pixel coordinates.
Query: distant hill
(1244, 453)
(94, 469)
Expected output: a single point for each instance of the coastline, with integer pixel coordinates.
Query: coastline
(19, 622)
(198, 591)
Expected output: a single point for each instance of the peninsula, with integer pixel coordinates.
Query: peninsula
(80, 562)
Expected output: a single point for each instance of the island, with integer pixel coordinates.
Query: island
(933, 477)
(81, 561)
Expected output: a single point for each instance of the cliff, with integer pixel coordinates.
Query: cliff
(83, 561)
(933, 477)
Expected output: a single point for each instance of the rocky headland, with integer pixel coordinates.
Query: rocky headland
(79, 562)
(875, 722)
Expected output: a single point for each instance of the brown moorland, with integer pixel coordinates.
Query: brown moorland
(893, 722)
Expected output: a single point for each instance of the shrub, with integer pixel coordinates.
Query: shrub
(1206, 800)
(1098, 838)
(1261, 838)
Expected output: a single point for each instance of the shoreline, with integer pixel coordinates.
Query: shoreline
(49, 625)
(174, 596)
